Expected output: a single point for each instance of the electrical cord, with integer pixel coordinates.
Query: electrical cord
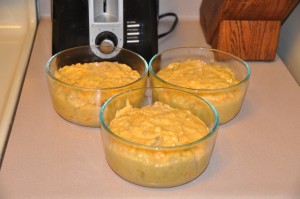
(173, 25)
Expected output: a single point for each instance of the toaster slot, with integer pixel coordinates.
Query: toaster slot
(106, 11)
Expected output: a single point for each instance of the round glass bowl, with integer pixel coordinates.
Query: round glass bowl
(157, 166)
(82, 105)
(228, 100)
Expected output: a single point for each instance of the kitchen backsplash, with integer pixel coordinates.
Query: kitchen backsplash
(189, 10)
(289, 43)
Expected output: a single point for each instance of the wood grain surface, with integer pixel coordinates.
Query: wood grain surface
(212, 12)
(246, 28)
(250, 40)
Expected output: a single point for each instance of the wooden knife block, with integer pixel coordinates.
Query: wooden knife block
(248, 29)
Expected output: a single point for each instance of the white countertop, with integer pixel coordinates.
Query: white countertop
(256, 154)
(17, 29)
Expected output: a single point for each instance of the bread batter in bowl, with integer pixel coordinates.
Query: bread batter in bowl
(81, 101)
(158, 143)
(208, 81)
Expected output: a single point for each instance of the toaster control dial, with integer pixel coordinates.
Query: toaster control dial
(107, 42)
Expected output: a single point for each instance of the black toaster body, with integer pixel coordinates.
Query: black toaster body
(129, 24)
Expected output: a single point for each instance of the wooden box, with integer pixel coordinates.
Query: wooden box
(248, 29)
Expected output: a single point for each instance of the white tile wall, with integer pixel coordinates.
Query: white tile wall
(289, 43)
(44, 7)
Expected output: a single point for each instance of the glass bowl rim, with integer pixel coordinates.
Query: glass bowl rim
(191, 144)
(90, 88)
(203, 49)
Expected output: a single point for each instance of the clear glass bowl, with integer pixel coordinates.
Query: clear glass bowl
(81, 105)
(227, 101)
(158, 166)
